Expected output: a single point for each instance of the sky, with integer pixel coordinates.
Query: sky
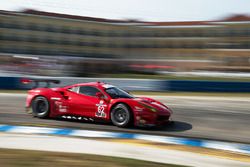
(144, 10)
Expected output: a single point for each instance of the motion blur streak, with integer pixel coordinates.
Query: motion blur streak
(44, 43)
(208, 56)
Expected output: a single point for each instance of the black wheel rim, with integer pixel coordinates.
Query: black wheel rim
(41, 106)
(120, 115)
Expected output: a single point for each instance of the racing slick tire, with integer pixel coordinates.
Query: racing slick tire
(121, 115)
(40, 107)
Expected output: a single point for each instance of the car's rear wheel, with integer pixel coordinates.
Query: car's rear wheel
(121, 115)
(40, 107)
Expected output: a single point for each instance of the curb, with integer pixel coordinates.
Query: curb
(227, 146)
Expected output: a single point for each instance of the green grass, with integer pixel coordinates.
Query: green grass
(25, 158)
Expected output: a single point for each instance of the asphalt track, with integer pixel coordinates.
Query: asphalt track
(217, 118)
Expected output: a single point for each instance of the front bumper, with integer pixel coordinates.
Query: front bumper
(151, 120)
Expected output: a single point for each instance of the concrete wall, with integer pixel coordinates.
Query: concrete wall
(136, 84)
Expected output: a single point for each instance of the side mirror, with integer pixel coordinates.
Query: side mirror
(99, 95)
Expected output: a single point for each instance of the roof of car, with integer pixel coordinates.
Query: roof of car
(97, 84)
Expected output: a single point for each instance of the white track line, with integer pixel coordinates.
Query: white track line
(75, 145)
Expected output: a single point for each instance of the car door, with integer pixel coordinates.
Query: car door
(76, 102)
(85, 103)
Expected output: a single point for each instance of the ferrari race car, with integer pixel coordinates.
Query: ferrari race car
(96, 101)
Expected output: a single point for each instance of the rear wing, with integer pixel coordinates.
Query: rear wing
(37, 81)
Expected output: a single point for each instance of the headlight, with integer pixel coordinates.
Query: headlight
(148, 107)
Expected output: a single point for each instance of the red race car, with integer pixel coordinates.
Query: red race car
(96, 101)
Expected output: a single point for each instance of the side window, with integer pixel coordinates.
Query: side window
(74, 89)
(88, 90)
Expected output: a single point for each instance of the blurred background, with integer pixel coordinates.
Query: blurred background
(173, 51)
(45, 43)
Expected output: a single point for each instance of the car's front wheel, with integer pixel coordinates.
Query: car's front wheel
(40, 107)
(121, 115)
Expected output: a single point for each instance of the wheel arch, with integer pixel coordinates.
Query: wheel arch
(48, 102)
(126, 104)
(42, 95)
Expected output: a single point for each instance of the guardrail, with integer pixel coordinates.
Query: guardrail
(136, 84)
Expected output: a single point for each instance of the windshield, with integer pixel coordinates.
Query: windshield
(115, 93)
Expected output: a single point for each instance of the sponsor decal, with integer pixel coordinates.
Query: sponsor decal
(55, 98)
(60, 107)
(100, 109)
